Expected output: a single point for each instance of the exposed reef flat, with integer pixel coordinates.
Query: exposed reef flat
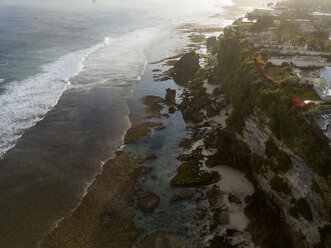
(153, 108)
(104, 217)
(139, 131)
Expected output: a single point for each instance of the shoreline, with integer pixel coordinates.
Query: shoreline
(122, 146)
(99, 170)
(133, 122)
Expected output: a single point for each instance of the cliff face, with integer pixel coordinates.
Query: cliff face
(300, 178)
(289, 163)
(267, 136)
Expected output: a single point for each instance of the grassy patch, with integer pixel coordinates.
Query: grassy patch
(306, 93)
(277, 73)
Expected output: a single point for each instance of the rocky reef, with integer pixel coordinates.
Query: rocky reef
(185, 69)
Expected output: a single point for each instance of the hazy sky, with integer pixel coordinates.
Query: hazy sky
(162, 7)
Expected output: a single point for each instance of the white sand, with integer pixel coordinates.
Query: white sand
(234, 182)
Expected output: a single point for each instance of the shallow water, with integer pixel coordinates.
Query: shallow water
(179, 217)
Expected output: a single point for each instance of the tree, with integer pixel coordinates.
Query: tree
(263, 23)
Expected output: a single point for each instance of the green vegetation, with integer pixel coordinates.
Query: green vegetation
(305, 93)
(283, 113)
(215, 200)
(263, 23)
(280, 185)
(301, 208)
(230, 151)
(191, 106)
(215, 197)
(325, 234)
(210, 141)
(233, 199)
(283, 159)
(278, 73)
(266, 227)
(270, 148)
(300, 4)
(190, 175)
(240, 72)
(289, 126)
(257, 163)
(219, 242)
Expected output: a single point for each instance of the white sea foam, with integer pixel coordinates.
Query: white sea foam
(24, 103)
(120, 64)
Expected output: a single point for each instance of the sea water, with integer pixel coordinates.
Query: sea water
(67, 72)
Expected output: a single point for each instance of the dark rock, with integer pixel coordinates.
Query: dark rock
(211, 42)
(233, 199)
(182, 196)
(231, 232)
(148, 203)
(217, 91)
(214, 78)
(219, 241)
(201, 216)
(170, 96)
(185, 69)
(172, 108)
(163, 240)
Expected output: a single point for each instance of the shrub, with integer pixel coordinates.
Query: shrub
(263, 23)
(280, 185)
(301, 208)
(284, 161)
(270, 148)
(256, 162)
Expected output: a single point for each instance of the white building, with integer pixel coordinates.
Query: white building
(323, 87)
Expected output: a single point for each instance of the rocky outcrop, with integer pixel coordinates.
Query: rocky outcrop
(185, 69)
(170, 98)
(148, 202)
(182, 196)
(211, 42)
(303, 183)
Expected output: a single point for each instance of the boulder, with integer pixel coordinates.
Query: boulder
(148, 203)
(182, 196)
(172, 108)
(186, 68)
(170, 96)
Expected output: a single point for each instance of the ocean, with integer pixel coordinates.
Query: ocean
(67, 72)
